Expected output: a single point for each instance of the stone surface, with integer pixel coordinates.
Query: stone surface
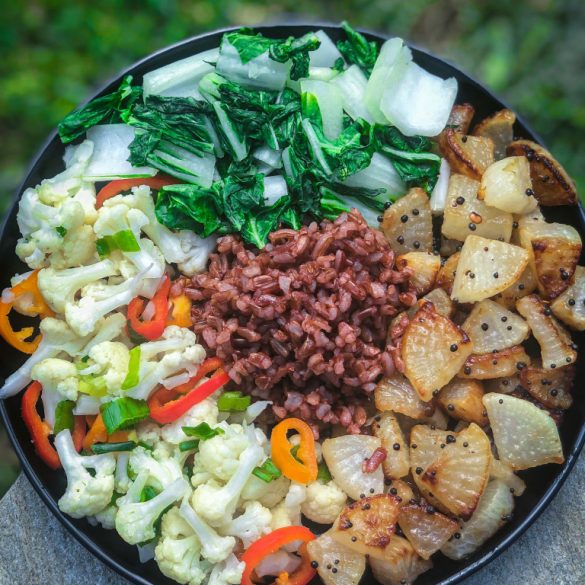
(36, 550)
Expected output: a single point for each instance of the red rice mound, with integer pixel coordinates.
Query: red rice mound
(304, 321)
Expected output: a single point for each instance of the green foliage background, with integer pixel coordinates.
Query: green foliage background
(55, 52)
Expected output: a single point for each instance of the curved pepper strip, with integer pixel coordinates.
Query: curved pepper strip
(18, 339)
(272, 543)
(97, 434)
(301, 467)
(153, 328)
(180, 311)
(116, 187)
(164, 409)
(209, 366)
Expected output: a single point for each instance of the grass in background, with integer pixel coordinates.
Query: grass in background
(55, 53)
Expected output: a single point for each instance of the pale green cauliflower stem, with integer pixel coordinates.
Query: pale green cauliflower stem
(178, 552)
(215, 548)
(135, 520)
(85, 495)
(122, 480)
(59, 286)
(324, 502)
(214, 503)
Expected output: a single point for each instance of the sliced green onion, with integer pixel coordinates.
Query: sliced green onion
(100, 448)
(202, 431)
(62, 231)
(148, 493)
(323, 473)
(233, 402)
(267, 471)
(294, 452)
(123, 413)
(124, 240)
(64, 418)
(188, 445)
(145, 446)
(93, 385)
(132, 377)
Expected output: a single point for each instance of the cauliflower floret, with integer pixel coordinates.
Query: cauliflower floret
(204, 411)
(220, 455)
(135, 521)
(178, 552)
(199, 475)
(249, 526)
(148, 432)
(160, 473)
(268, 494)
(59, 286)
(77, 248)
(228, 572)
(215, 548)
(106, 518)
(112, 357)
(324, 502)
(179, 350)
(288, 512)
(217, 504)
(57, 376)
(196, 251)
(86, 495)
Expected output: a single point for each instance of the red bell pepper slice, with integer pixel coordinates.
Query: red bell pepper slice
(209, 366)
(116, 187)
(166, 408)
(272, 543)
(155, 327)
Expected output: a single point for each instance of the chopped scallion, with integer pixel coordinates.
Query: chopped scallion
(189, 445)
(100, 448)
(132, 377)
(202, 431)
(233, 402)
(123, 413)
(267, 471)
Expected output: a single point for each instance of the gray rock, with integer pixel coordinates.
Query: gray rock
(36, 550)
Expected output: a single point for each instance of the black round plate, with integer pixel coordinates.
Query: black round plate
(543, 483)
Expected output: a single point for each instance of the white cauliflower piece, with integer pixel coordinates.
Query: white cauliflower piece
(135, 521)
(57, 376)
(268, 494)
(113, 358)
(220, 455)
(178, 552)
(199, 474)
(86, 495)
(77, 248)
(148, 432)
(217, 504)
(106, 518)
(160, 473)
(249, 526)
(204, 411)
(228, 572)
(324, 502)
(288, 512)
(215, 548)
(122, 480)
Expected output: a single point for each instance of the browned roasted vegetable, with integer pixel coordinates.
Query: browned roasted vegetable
(461, 399)
(500, 128)
(499, 364)
(425, 267)
(387, 429)
(396, 394)
(460, 118)
(550, 387)
(467, 155)
(550, 182)
(447, 273)
(402, 566)
(569, 307)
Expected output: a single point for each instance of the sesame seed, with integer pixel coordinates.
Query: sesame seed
(388, 204)
(418, 470)
(564, 274)
(571, 302)
(530, 192)
(467, 370)
(504, 319)
(400, 239)
(380, 218)
(416, 244)
(496, 275)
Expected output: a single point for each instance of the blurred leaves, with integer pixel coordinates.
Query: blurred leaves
(55, 53)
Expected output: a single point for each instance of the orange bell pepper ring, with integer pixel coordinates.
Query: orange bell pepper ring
(180, 311)
(97, 434)
(303, 468)
(38, 306)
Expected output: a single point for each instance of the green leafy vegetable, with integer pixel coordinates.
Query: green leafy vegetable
(64, 418)
(123, 413)
(233, 402)
(107, 109)
(267, 472)
(188, 445)
(202, 431)
(356, 49)
(323, 473)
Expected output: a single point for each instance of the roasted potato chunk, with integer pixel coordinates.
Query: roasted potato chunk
(506, 186)
(466, 215)
(447, 273)
(461, 399)
(433, 350)
(554, 250)
(368, 525)
(500, 128)
(403, 565)
(408, 224)
(458, 476)
(425, 528)
(550, 182)
(525, 435)
(424, 266)
(569, 307)
(499, 364)
(491, 327)
(550, 387)
(485, 268)
(387, 429)
(556, 347)
(396, 394)
(467, 155)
